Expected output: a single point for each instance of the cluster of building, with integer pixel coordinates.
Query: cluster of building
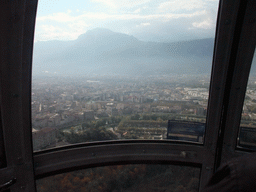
(249, 107)
(58, 103)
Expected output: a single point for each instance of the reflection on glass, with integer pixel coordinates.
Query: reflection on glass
(126, 178)
(247, 132)
(186, 130)
(120, 70)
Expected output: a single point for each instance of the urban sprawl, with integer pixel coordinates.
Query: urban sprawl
(73, 110)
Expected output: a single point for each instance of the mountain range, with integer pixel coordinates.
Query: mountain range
(104, 52)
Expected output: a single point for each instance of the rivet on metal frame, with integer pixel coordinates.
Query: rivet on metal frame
(183, 154)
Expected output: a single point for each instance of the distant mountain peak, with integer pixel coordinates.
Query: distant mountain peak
(100, 37)
(98, 33)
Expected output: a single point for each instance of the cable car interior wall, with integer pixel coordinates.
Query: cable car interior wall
(21, 168)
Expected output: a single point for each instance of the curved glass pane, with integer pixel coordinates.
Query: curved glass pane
(105, 70)
(247, 131)
(126, 178)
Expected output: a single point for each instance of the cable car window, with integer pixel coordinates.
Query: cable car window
(127, 178)
(247, 132)
(107, 70)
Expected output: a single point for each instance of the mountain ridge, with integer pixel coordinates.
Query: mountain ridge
(102, 51)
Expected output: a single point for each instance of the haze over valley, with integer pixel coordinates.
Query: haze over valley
(104, 52)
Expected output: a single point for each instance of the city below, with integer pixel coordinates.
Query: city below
(74, 110)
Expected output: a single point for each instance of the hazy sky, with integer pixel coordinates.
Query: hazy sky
(148, 20)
